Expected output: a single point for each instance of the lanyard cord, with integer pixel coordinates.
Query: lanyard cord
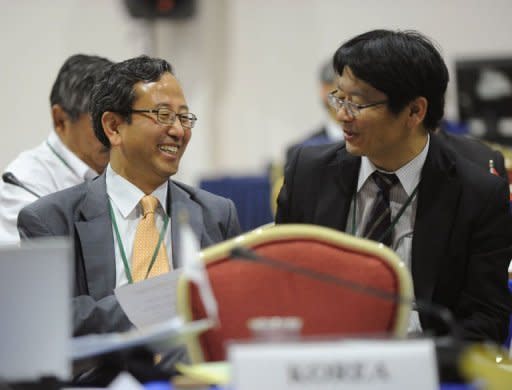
(121, 247)
(395, 220)
(60, 157)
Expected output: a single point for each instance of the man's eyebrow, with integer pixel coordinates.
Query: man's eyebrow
(167, 105)
(354, 92)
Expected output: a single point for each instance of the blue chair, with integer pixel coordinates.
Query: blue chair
(251, 195)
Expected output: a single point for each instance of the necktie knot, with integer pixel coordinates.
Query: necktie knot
(384, 180)
(149, 204)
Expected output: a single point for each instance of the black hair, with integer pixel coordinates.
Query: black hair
(402, 64)
(75, 80)
(115, 90)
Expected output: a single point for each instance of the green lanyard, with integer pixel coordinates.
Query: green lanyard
(395, 220)
(60, 157)
(121, 247)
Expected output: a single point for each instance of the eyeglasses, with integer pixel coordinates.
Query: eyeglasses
(352, 109)
(168, 117)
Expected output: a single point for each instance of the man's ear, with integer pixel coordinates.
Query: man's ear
(60, 120)
(417, 111)
(112, 122)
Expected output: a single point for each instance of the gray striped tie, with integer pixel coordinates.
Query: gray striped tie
(380, 218)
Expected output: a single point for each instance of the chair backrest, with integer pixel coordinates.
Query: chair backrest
(247, 289)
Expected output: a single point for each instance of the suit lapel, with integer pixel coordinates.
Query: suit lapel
(94, 230)
(339, 186)
(179, 201)
(438, 196)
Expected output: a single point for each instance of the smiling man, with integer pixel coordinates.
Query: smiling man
(396, 182)
(124, 223)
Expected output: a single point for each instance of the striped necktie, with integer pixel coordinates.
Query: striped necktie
(380, 217)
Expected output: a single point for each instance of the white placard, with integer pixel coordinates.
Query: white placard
(347, 364)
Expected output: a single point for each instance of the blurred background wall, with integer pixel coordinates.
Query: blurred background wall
(248, 68)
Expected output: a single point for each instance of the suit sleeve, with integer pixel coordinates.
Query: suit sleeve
(484, 304)
(284, 199)
(12, 199)
(89, 315)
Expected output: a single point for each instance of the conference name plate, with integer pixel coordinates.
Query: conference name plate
(339, 364)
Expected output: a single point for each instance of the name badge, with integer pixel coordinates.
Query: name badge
(344, 364)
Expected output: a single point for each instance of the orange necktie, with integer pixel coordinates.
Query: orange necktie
(146, 240)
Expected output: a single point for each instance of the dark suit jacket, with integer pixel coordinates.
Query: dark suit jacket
(82, 213)
(474, 150)
(462, 235)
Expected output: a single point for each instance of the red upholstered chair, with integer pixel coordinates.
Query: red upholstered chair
(246, 289)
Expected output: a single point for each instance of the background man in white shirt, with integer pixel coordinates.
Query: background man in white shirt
(70, 154)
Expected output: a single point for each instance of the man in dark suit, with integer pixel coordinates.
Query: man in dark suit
(396, 182)
(140, 113)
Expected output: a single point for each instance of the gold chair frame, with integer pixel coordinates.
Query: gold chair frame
(269, 233)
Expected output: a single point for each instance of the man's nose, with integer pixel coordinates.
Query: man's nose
(343, 114)
(176, 129)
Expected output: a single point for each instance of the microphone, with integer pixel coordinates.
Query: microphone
(435, 310)
(8, 177)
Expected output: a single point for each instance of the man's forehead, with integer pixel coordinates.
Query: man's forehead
(166, 82)
(350, 83)
(347, 80)
(160, 91)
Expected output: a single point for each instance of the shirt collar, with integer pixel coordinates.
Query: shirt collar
(74, 163)
(126, 196)
(409, 175)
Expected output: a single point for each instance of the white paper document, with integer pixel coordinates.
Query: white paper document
(150, 302)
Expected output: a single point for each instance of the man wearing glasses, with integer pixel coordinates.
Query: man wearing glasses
(396, 182)
(125, 223)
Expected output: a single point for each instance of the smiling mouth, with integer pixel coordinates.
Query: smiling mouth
(169, 149)
(349, 133)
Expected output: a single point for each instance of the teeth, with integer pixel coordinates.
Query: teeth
(169, 149)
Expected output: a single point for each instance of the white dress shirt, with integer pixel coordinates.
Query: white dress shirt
(124, 198)
(45, 169)
(409, 177)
